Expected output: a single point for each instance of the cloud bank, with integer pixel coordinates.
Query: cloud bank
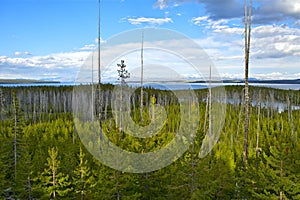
(152, 21)
(264, 11)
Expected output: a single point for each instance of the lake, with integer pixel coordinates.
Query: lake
(166, 86)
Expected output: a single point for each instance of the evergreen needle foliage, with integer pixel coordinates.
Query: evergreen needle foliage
(42, 157)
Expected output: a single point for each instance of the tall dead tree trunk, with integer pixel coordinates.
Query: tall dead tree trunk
(142, 103)
(99, 79)
(93, 101)
(142, 76)
(15, 112)
(281, 175)
(258, 124)
(247, 18)
(2, 111)
(209, 112)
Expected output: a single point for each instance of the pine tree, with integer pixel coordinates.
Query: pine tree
(4, 184)
(54, 183)
(24, 179)
(102, 181)
(82, 177)
(272, 175)
(2, 100)
(17, 129)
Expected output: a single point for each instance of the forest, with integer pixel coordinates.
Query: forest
(43, 157)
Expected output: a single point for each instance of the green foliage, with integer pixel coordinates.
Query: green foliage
(82, 180)
(53, 163)
(53, 183)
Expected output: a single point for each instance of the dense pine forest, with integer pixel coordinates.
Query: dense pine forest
(42, 156)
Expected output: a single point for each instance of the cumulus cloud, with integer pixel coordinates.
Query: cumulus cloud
(267, 11)
(153, 21)
(276, 11)
(160, 50)
(22, 53)
(162, 4)
(268, 41)
(263, 76)
(101, 40)
(200, 20)
(223, 9)
(297, 23)
(216, 9)
(58, 66)
(273, 47)
(88, 47)
(275, 42)
(217, 26)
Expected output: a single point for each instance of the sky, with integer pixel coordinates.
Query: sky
(52, 39)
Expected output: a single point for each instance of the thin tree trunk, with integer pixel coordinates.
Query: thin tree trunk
(142, 76)
(209, 111)
(93, 102)
(193, 159)
(2, 111)
(205, 115)
(118, 195)
(15, 134)
(99, 79)
(53, 172)
(29, 186)
(258, 125)
(248, 13)
(106, 105)
(281, 174)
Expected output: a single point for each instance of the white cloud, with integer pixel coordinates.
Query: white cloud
(217, 26)
(162, 4)
(264, 11)
(22, 53)
(267, 41)
(275, 42)
(171, 53)
(276, 11)
(58, 66)
(88, 47)
(273, 49)
(229, 30)
(263, 76)
(274, 30)
(154, 21)
(101, 40)
(200, 20)
(288, 48)
(3, 58)
(216, 9)
(297, 23)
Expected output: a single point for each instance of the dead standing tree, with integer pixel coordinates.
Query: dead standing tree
(247, 18)
(123, 74)
(99, 78)
(142, 76)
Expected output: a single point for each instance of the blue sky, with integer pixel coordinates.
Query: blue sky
(51, 39)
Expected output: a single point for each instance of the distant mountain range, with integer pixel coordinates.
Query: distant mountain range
(25, 81)
(253, 80)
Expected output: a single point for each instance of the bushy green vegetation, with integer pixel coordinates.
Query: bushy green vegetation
(42, 156)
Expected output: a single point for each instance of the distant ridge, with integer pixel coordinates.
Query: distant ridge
(284, 81)
(25, 81)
